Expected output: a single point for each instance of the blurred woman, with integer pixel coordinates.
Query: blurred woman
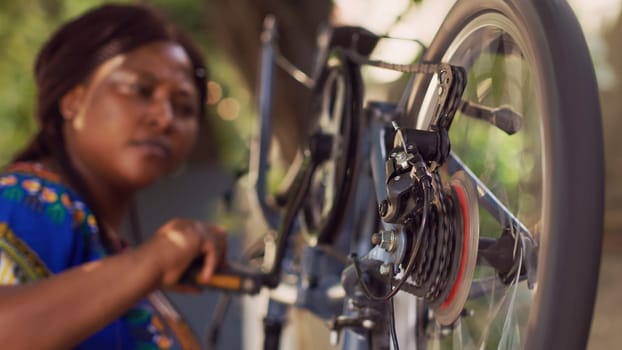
(121, 94)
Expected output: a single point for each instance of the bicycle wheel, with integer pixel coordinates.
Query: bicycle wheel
(528, 57)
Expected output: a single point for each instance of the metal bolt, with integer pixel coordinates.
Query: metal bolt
(387, 240)
(385, 269)
(375, 239)
(368, 324)
(383, 207)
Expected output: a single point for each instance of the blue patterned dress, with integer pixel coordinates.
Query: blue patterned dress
(45, 228)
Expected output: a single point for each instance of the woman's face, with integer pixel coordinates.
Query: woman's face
(135, 119)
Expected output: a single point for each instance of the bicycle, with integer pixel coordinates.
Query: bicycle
(486, 252)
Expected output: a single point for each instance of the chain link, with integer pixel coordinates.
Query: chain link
(425, 68)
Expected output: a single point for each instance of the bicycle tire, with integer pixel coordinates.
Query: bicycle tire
(571, 215)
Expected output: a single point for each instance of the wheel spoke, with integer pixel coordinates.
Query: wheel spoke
(484, 287)
(515, 242)
(488, 200)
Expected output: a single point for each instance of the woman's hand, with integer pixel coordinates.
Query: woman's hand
(178, 242)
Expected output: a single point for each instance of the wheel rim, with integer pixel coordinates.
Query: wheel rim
(499, 72)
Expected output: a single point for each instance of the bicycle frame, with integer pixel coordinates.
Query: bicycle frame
(318, 289)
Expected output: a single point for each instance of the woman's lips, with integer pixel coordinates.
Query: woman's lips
(155, 147)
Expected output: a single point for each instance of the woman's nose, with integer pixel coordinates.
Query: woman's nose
(161, 114)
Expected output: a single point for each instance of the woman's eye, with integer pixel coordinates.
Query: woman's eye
(141, 90)
(185, 109)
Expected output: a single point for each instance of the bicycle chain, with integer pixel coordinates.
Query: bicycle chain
(451, 80)
(447, 259)
(445, 250)
(425, 68)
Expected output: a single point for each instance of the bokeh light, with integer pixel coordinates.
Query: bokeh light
(228, 108)
(214, 92)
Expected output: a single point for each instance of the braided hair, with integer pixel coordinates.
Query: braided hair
(73, 53)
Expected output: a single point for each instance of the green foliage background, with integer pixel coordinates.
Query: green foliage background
(26, 24)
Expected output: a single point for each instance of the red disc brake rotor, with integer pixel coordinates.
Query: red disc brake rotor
(464, 195)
